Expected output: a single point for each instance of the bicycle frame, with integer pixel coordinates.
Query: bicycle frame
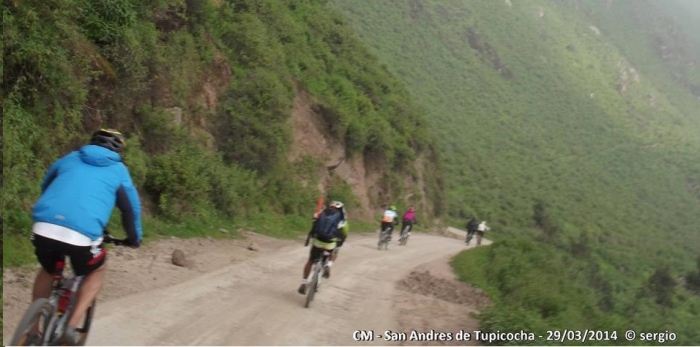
(314, 280)
(59, 306)
(318, 266)
(63, 304)
(50, 315)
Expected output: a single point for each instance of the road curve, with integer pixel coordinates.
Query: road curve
(255, 302)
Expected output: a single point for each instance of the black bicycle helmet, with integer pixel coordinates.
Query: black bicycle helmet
(110, 139)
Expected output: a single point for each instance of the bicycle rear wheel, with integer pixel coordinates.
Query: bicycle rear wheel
(404, 239)
(311, 286)
(39, 314)
(384, 239)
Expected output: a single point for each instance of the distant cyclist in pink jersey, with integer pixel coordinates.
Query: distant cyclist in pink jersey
(408, 219)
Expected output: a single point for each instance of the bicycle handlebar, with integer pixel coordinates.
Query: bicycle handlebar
(117, 242)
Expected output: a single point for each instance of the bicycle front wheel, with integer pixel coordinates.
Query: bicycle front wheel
(33, 327)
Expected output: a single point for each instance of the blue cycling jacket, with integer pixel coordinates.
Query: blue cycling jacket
(81, 189)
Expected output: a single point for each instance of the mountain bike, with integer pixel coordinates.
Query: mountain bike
(313, 283)
(49, 317)
(384, 237)
(479, 235)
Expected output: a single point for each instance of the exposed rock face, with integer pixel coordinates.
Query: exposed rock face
(362, 173)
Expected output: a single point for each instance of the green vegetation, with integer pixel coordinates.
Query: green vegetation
(571, 126)
(204, 90)
(536, 287)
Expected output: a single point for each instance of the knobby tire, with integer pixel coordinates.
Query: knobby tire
(311, 287)
(38, 308)
(383, 240)
(404, 237)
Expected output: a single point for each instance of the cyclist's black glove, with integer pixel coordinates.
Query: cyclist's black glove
(309, 236)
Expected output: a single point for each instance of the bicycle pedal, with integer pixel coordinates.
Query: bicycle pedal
(31, 340)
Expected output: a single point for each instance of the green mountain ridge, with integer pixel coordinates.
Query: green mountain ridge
(571, 126)
(545, 118)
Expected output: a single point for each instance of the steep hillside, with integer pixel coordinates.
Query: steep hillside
(238, 113)
(572, 127)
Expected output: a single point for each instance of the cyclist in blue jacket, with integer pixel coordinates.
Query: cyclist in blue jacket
(78, 194)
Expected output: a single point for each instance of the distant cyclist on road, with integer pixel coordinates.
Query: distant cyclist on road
(482, 228)
(389, 220)
(78, 194)
(328, 231)
(408, 219)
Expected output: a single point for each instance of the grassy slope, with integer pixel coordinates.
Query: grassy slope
(73, 65)
(600, 162)
(615, 172)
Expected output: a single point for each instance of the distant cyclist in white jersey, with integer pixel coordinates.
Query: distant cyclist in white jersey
(389, 219)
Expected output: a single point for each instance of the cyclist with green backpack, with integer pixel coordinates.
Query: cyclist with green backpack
(329, 230)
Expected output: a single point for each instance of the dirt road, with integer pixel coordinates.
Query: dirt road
(254, 300)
